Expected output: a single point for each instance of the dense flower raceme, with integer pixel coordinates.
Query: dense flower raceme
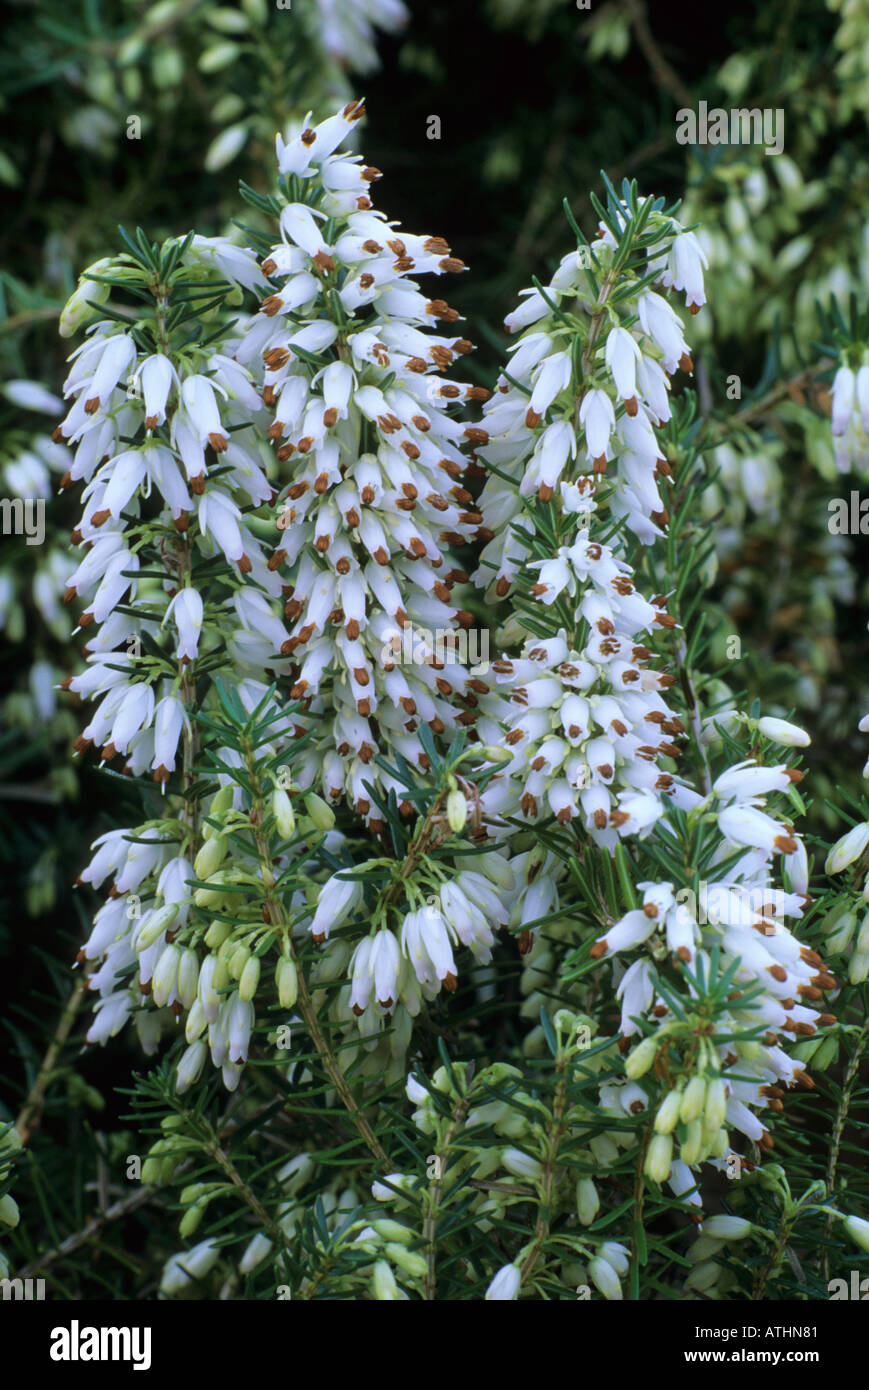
(574, 421)
(175, 590)
(343, 353)
(333, 389)
(586, 387)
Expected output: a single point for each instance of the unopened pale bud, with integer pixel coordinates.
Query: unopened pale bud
(587, 1201)
(848, 849)
(641, 1059)
(667, 1117)
(383, 1284)
(247, 985)
(605, 1279)
(409, 1260)
(781, 731)
(322, 815)
(153, 927)
(282, 810)
(505, 1285)
(457, 810)
(858, 967)
(659, 1156)
(287, 981)
(727, 1227)
(692, 1147)
(693, 1100)
(858, 1230)
(210, 857)
(716, 1102)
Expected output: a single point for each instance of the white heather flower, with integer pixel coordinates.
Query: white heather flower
(336, 900)
(727, 1227)
(844, 391)
(521, 1164)
(505, 1286)
(623, 358)
(858, 1230)
(169, 720)
(605, 1278)
(32, 395)
(597, 417)
(862, 396)
(186, 610)
(180, 1271)
(687, 260)
(847, 849)
(661, 324)
(745, 825)
(781, 731)
(157, 376)
(425, 941)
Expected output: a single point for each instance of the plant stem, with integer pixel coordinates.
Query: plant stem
(848, 1083)
(30, 1115)
(544, 1206)
(304, 1001)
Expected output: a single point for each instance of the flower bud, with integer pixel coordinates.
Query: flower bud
(188, 977)
(587, 1201)
(236, 959)
(383, 1284)
(667, 1117)
(182, 1269)
(220, 803)
(841, 927)
(521, 1164)
(693, 1100)
(605, 1279)
(827, 1053)
(322, 815)
(658, 1158)
(196, 1021)
(287, 982)
(247, 985)
(189, 1068)
(638, 1062)
(846, 850)
(781, 731)
(692, 1148)
(409, 1260)
(9, 1214)
(727, 1227)
(858, 1230)
(716, 1103)
(217, 933)
(154, 925)
(505, 1285)
(190, 1220)
(282, 810)
(703, 1276)
(77, 310)
(491, 754)
(858, 967)
(165, 975)
(210, 857)
(255, 1253)
(457, 810)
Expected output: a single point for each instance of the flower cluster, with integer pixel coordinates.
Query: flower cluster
(343, 353)
(850, 418)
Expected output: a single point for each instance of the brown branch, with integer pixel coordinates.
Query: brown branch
(30, 1115)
